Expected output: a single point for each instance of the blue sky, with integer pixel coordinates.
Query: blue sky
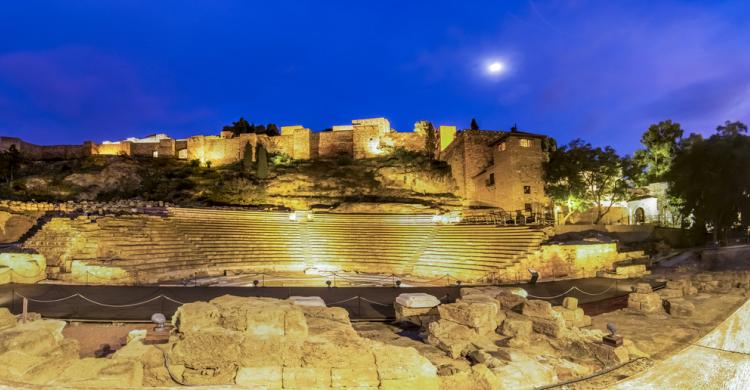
(600, 70)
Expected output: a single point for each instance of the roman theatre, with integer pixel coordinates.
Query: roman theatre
(356, 261)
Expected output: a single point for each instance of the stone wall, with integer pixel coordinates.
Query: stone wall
(144, 149)
(23, 267)
(334, 143)
(414, 142)
(113, 149)
(222, 151)
(366, 142)
(579, 260)
(517, 167)
(45, 152)
(468, 156)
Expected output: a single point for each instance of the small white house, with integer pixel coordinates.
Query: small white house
(651, 206)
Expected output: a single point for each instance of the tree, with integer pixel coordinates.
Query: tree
(579, 177)
(708, 177)
(474, 125)
(660, 143)
(430, 140)
(729, 129)
(10, 161)
(262, 156)
(247, 157)
(272, 130)
(239, 127)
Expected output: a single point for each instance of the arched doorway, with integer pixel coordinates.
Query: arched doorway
(640, 216)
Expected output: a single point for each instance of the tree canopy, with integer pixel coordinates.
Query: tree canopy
(474, 125)
(660, 144)
(709, 176)
(579, 177)
(242, 126)
(431, 140)
(10, 161)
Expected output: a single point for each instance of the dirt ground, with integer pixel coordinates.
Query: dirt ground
(661, 335)
(93, 336)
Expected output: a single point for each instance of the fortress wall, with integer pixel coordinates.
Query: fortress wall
(167, 148)
(333, 143)
(283, 144)
(122, 148)
(365, 141)
(144, 149)
(409, 141)
(223, 151)
(301, 142)
(46, 152)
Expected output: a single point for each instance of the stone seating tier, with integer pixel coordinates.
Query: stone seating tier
(212, 241)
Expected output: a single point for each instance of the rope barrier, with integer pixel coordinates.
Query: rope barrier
(161, 296)
(575, 288)
(373, 302)
(342, 301)
(48, 301)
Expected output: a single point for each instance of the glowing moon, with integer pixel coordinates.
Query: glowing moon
(495, 67)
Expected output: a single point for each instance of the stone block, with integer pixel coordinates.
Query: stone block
(486, 299)
(453, 338)
(417, 300)
(308, 301)
(306, 378)
(102, 373)
(195, 316)
(680, 308)
(675, 284)
(269, 378)
(136, 334)
(7, 319)
(537, 308)
(570, 303)
(356, 377)
(400, 368)
(643, 288)
(553, 327)
(417, 316)
(647, 303)
(667, 293)
(480, 316)
(510, 301)
(610, 355)
(208, 348)
(516, 327)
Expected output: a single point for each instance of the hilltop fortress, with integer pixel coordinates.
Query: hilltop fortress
(500, 169)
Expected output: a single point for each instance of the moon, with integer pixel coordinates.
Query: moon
(495, 67)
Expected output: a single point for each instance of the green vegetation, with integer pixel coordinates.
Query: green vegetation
(244, 127)
(708, 177)
(261, 170)
(431, 140)
(660, 145)
(247, 157)
(10, 161)
(579, 177)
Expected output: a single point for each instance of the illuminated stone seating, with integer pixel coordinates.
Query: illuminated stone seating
(214, 241)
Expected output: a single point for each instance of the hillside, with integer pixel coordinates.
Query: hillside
(402, 181)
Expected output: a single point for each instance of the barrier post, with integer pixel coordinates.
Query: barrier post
(25, 309)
